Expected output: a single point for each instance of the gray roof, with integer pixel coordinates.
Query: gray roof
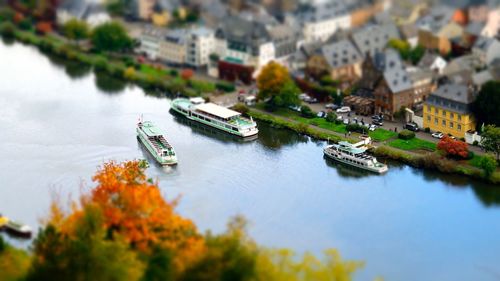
(474, 28)
(243, 34)
(436, 19)
(341, 53)
(428, 59)
(177, 36)
(456, 97)
(321, 11)
(374, 38)
(393, 69)
(285, 39)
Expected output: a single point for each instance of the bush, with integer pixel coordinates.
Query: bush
(241, 108)
(331, 116)
(225, 86)
(427, 130)
(475, 143)
(7, 29)
(406, 135)
(306, 112)
(100, 64)
(25, 24)
(174, 73)
(356, 128)
(453, 148)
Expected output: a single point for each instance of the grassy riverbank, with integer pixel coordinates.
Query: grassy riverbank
(122, 66)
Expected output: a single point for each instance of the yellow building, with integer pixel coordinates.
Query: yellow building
(447, 110)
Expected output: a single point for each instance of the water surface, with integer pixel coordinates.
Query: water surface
(59, 121)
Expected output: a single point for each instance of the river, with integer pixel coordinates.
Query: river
(59, 121)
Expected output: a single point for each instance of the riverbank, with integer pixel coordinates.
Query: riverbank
(425, 158)
(125, 67)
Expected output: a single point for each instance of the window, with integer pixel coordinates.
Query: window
(451, 125)
(444, 113)
(452, 115)
(436, 110)
(436, 121)
(428, 118)
(459, 127)
(444, 123)
(459, 117)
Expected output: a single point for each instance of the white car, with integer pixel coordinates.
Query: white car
(303, 96)
(372, 127)
(344, 109)
(346, 121)
(437, 135)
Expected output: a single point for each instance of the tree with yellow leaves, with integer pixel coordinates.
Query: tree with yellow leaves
(277, 87)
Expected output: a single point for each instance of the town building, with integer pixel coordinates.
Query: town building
(487, 49)
(200, 43)
(173, 47)
(92, 13)
(344, 60)
(321, 19)
(436, 29)
(447, 110)
(373, 39)
(432, 61)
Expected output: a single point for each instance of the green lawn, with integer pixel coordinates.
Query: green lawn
(413, 144)
(382, 135)
(150, 70)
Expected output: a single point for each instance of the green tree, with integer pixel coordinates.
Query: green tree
(487, 103)
(490, 140)
(331, 116)
(76, 29)
(488, 164)
(276, 86)
(6, 14)
(111, 37)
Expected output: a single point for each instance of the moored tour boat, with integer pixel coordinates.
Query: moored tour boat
(353, 155)
(156, 144)
(215, 116)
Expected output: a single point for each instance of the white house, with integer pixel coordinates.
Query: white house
(92, 13)
(200, 43)
(322, 19)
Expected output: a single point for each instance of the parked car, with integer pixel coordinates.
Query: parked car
(411, 126)
(344, 109)
(437, 135)
(346, 121)
(372, 127)
(339, 118)
(294, 108)
(331, 106)
(377, 117)
(378, 122)
(312, 100)
(321, 114)
(303, 96)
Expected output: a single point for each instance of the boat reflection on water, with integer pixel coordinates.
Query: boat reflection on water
(211, 132)
(348, 171)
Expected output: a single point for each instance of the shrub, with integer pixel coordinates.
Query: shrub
(302, 128)
(241, 108)
(7, 29)
(174, 73)
(187, 74)
(100, 63)
(225, 86)
(331, 116)
(475, 143)
(427, 130)
(453, 148)
(356, 128)
(25, 24)
(6, 14)
(306, 112)
(43, 27)
(406, 135)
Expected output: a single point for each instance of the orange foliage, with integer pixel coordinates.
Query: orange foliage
(18, 17)
(453, 147)
(186, 74)
(134, 209)
(43, 27)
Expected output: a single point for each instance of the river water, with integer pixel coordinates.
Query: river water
(59, 121)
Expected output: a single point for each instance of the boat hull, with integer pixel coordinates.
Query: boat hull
(164, 161)
(376, 170)
(248, 134)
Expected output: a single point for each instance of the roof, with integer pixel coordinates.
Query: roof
(374, 38)
(217, 110)
(394, 72)
(77, 8)
(150, 129)
(456, 97)
(341, 53)
(321, 11)
(242, 34)
(436, 19)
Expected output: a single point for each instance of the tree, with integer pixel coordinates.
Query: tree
(331, 116)
(488, 164)
(490, 140)
(453, 148)
(187, 74)
(6, 14)
(487, 103)
(111, 37)
(76, 29)
(275, 84)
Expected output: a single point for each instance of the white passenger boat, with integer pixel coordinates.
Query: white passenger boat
(156, 144)
(215, 116)
(355, 156)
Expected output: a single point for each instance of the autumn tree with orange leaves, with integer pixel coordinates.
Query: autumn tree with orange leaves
(453, 148)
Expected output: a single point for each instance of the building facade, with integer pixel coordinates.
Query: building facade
(447, 110)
